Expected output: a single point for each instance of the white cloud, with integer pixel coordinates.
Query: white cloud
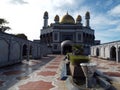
(116, 29)
(103, 21)
(18, 2)
(28, 18)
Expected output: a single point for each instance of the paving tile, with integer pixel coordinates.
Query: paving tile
(22, 77)
(55, 63)
(14, 72)
(1, 83)
(38, 85)
(116, 74)
(52, 66)
(102, 67)
(47, 73)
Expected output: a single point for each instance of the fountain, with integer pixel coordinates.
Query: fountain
(89, 69)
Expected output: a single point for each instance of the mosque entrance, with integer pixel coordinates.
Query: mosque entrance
(66, 47)
(113, 53)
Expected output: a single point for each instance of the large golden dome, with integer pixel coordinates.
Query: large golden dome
(67, 19)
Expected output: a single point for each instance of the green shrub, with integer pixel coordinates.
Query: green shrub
(77, 49)
(77, 59)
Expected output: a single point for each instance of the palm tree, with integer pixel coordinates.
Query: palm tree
(3, 28)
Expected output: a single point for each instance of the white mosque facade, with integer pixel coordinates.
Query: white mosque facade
(62, 34)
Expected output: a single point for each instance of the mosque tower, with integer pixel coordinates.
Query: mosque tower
(87, 17)
(45, 19)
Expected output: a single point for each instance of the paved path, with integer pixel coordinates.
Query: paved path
(41, 74)
(110, 68)
(44, 74)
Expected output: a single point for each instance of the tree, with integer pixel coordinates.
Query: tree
(3, 28)
(23, 36)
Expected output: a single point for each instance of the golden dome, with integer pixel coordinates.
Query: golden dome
(79, 18)
(67, 19)
(56, 18)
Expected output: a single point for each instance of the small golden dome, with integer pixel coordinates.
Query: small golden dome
(79, 18)
(67, 19)
(56, 18)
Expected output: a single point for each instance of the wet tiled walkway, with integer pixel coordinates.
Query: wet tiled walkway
(33, 75)
(44, 74)
(110, 68)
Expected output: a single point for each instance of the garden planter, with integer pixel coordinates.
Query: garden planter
(76, 71)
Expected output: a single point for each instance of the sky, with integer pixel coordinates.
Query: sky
(26, 16)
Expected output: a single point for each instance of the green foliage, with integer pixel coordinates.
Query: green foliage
(23, 36)
(3, 28)
(77, 59)
(77, 49)
(2, 21)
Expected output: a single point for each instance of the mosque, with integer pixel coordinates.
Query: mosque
(62, 34)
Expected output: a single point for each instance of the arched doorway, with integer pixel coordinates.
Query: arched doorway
(119, 54)
(66, 47)
(97, 52)
(113, 53)
(30, 52)
(24, 51)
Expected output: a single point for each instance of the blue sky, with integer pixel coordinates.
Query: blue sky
(26, 16)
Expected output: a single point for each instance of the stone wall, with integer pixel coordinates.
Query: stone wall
(12, 49)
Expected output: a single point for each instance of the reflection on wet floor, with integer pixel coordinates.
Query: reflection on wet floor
(10, 75)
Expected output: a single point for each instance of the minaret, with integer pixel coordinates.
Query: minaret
(87, 17)
(45, 19)
(56, 19)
